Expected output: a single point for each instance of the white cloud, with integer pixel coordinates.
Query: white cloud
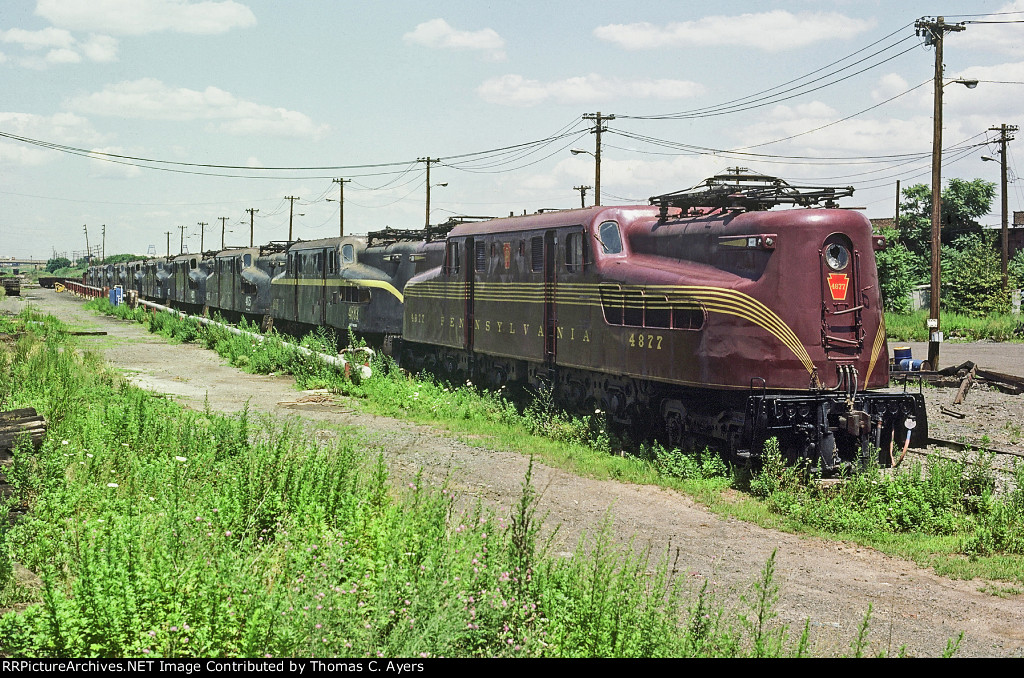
(47, 37)
(102, 166)
(889, 86)
(439, 34)
(773, 31)
(140, 17)
(63, 128)
(515, 90)
(63, 56)
(151, 99)
(62, 45)
(997, 37)
(100, 48)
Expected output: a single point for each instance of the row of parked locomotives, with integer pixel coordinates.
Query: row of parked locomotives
(348, 283)
(704, 316)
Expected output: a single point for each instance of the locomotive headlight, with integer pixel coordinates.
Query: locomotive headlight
(837, 257)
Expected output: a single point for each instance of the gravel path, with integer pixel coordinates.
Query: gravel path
(829, 583)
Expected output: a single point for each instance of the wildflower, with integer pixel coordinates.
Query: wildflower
(88, 455)
(111, 484)
(63, 442)
(181, 459)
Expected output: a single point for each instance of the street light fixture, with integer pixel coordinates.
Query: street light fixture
(1004, 137)
(429, 185)
(597, 172)
(934, 325)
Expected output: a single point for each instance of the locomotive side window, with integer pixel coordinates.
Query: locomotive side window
(611, 302)
(537, 253)
(634, 308)
(689, 317)
(657, 312)
(332, 262)
(355, 295)
(246, 260)
(633, 304)
(451, 258)
(348, 254)
(480, 258)
(574, 260)
(609, 237)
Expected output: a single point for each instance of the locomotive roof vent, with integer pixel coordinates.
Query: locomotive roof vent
(743, 190)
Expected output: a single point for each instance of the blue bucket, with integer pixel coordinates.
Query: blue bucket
(908, 365)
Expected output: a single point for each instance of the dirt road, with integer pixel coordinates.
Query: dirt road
(829, 583)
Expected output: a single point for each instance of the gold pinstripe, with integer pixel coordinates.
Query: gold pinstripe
(348, 282)
(876, 349)
(714, 299)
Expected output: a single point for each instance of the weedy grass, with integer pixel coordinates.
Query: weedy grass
(165, 532)
(913, 326)
(942, 514)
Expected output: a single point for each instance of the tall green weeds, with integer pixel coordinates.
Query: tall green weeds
(161, 532)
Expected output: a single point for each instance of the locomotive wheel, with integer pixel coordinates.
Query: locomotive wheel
(674, 430)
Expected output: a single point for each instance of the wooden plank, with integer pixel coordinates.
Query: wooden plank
(17, 414)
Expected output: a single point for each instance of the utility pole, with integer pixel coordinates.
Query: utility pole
(896, 220)
(87, 255)
(202, 235)
(428, 160)
(583, 194)
(168, 244)
(934, 32)
(291, 214)
(341, 201)
(103, 249)
(251, 211)
(598, 128)
(1004, 138)
(181, 248)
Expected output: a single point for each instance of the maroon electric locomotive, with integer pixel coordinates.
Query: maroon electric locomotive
(704, 315)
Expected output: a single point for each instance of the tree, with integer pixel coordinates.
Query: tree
(899, 270)
(57, 263)
(963, 203)
(972, 278)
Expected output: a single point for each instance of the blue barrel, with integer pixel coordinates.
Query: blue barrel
(900, 353)
(909, 365)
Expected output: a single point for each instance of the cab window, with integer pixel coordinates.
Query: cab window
(609, 237)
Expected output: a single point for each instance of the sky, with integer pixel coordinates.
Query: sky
(122, 121)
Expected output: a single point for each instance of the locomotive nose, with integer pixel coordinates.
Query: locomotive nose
(841, 302)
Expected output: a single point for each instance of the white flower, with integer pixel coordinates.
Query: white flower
(181, 459)
(63, 442)
(111, 484)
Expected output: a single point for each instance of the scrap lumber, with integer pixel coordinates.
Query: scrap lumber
(14, 424)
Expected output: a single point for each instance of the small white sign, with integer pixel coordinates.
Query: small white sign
(933, 323)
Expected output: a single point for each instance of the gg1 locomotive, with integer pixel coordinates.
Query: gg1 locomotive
(703, 315)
